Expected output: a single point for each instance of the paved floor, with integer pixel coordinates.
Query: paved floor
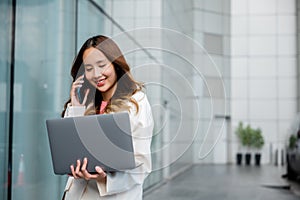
(226, 182)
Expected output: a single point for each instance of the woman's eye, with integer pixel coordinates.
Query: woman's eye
(102, 66)
(89, 69)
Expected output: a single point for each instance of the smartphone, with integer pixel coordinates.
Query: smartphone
(79, 96)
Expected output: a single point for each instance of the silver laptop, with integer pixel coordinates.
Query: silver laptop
(104, 139)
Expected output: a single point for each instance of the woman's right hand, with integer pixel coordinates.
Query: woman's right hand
(80, 171)
(74, 98)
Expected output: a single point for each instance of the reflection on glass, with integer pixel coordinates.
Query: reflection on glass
(43, 52)
(5, 31)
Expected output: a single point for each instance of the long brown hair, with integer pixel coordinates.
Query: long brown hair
(126, 86)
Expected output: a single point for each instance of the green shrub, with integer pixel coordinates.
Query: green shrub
(249, 137)
(292, 141)
(257, 139)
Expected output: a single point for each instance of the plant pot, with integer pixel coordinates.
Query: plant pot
(239, 158)
(248, 158)
(291, 174)
(257, 159)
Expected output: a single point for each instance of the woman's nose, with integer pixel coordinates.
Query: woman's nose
(98, 72)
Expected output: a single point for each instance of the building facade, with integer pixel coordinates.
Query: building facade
(206, 64)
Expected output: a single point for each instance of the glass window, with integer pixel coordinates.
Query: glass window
(44, 51)
(90, 21)
(5, 32)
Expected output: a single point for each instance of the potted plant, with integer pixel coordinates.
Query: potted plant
(249, 138)
(247, 142)
(239, 133)
(257, 143)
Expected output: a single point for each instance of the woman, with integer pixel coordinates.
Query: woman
(101, 76)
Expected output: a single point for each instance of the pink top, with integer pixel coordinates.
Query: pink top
(103, 106)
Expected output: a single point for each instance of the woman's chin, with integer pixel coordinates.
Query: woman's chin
(101, 89)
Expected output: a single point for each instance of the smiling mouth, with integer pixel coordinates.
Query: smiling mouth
(101, 82)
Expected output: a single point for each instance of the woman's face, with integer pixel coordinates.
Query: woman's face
(100, 72)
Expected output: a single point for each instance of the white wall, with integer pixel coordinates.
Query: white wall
(263, 68)
(211, 30)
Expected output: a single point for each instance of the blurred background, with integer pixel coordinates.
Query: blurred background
(235, 61)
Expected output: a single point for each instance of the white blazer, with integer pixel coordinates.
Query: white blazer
(120, 185)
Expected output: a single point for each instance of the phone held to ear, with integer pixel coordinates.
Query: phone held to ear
(79, 96)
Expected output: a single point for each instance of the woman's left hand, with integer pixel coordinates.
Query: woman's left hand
(81, 172)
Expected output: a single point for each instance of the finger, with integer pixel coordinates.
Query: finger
(85, 96)
(78, 81)
(76, 84)
(100, 171)
(74, 88)
(79, 78)
(73, 171)
(84, 164)
(85, 173)
(77, 170)
(94, 176)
